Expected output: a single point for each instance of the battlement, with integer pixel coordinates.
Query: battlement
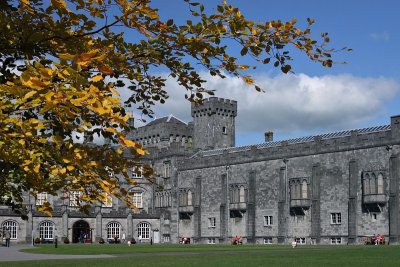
(215, 105)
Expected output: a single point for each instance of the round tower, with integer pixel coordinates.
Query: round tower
(214, 123)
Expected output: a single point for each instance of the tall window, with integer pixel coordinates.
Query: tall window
(41, 198)
(167, 169)
(12, 227)
(113, 230)
(304, 191)
(46, 230)
(189, 198)
(336, 218)
(372, 184)
(366, 184)
(143, 230)
(137, 199)
(241, 194)
(74, 197)
(380, 184)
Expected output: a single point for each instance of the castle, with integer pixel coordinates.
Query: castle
(336, 188)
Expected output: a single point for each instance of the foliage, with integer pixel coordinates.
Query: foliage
(101, 240)
(63, 61)
(66, 240)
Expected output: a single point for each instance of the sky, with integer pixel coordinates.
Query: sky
(313, 100)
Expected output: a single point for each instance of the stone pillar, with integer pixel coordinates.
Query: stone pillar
(251, 209)
(353, 188)
(99, 228)
(129, 230)
(197, 210)
(394, 200)
(223, 210)
(29, 226)
(65, 222)
(282, 215)
(315, 204)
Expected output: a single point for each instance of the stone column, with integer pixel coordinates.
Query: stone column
(394, 200)
(223, 210)
(353, 188)
(282, 215)
(315, 204)
(251, 209)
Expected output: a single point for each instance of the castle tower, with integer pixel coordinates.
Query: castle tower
(214, 123)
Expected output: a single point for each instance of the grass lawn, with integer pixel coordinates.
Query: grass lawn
(221, 256)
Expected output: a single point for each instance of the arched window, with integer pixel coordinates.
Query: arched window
(366, 184)
(380, 184)
(143, 230)
(372, 184)
(304, 189)
(12, 227)
(241, 194)
(46, 230)
(189, 198)
(113, 230)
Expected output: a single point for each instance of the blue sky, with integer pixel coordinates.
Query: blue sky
(362, 93)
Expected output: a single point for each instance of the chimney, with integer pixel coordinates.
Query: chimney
(269, 136)
(131, 120)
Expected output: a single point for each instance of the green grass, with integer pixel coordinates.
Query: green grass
(221, 256)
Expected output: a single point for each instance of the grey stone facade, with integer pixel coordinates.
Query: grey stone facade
(336, 188)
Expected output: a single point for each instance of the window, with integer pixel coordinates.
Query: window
(143, 230)
(268, 240)
(366, 184)
(137, 199)
(113, 230)
(380, 184)
(74, 197)
(211, 240)
(372, 185)
(300, 240)
(189, 198)
(336, 218)
(268, 221)
(224, 130)
(12, 227)
(374, 216)
(46, 230)
(241, 194)
(108, 202)
(41, 198)
(211, 222)
(137, 172)
(304, 191)
(167, 169)
(166, 238)
(336, 240)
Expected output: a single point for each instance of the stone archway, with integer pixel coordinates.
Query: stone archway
(81, 232)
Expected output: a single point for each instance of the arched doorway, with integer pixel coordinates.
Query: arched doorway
(81, 232)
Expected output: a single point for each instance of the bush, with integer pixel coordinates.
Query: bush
(66, 240)
(37, 240)
(101, 240)
(133, 241)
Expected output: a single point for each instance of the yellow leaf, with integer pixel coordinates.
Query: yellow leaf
(22, 142)
(36, 169)
(97, 78)
(70, 168)
(58, 3)
(111, 130)
(115, 92)
(141, 151)
(127, 142)
(105, 69)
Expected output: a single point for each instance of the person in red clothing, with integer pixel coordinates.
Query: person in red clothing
(378, 239)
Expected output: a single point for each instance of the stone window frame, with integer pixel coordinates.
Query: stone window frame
(113, 230)
(74, 197)
(373, 182)
(137, 198)
(143, 230)
(299, 188)
(108, 201)
(167, 169)
(300, 240)
(238, 193)
(212, 222)
(268, 240)
(268, 220)
(336, 218)
(336, 240)
(46, 230)
(41, 198)
(13, 226)
(211, 240)
(137, 172)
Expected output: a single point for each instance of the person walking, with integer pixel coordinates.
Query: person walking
(7, 236)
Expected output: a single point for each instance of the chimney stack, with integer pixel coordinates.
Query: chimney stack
(269, 136)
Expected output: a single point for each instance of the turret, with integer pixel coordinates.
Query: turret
(214, 123)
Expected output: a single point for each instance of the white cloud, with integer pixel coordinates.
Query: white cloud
(294, 103)
(380, 36)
